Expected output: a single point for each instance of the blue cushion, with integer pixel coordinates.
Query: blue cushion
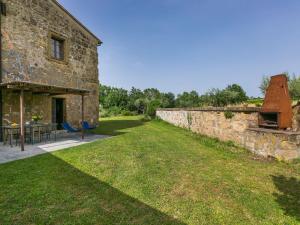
(86, 126)
(67, 127)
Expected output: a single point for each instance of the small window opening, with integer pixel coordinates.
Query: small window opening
(57, 48)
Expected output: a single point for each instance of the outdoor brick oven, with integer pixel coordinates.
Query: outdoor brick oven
(277, 111)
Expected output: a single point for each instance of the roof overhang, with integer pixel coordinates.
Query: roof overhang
(37, 88)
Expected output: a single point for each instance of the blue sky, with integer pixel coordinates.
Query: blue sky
(184, 45)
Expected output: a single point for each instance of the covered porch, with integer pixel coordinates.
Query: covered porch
(21, 89)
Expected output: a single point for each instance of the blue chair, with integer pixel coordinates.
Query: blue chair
(68, 128)
(86, 126)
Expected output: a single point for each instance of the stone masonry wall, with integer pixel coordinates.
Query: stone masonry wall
(32, 107)
(241, 129)
(25, 32)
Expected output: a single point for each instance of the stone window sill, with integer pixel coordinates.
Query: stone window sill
(63, 62)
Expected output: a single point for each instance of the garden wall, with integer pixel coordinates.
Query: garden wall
(240, 126)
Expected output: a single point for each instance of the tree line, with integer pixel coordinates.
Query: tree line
(118, 101)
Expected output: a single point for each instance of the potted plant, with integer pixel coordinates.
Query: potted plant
(36, 118)
(14, 125)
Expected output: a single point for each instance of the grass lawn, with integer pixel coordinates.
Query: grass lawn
(149, 173)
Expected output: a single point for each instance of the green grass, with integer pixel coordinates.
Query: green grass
(149, 173)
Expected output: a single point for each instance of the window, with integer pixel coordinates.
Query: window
(57, 48)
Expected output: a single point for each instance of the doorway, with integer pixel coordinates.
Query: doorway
(58, 112)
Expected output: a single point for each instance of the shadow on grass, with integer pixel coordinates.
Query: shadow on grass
(289, 198)
(47, 190)
(115, 127)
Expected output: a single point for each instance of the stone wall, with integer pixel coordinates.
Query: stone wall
(25, 32)
(32, 107)
(241, 129)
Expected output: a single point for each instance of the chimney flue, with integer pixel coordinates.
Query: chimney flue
(277, 111)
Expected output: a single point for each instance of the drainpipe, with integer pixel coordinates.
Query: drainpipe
(2, 13)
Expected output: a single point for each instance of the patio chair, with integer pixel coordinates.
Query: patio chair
(46, 132)
(86, 126)
(68, 128)
(14, 136)
(54, 130)
(28, 135)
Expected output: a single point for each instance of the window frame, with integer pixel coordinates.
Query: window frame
(65, 48)
(57, 49)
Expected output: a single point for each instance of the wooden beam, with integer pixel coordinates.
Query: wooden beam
(22, 120)
(36, 87)
(82, 115)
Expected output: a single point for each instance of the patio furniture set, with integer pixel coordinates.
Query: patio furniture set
(37, 132)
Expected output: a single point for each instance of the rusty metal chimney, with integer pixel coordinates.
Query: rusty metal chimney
(277, 110)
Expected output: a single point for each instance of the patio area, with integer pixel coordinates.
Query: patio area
(22, 127)
(67, 140)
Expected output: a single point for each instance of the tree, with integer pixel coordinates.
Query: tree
(140, 105)
(136, 100)
(232, 94)
(235, 94)
(152, 106)
(117, 97)
(152, 94)
(264, 84)
(188, 99)
(168, 100)
(113, 97)
(103, 92)
(294, 87)
(217, 98)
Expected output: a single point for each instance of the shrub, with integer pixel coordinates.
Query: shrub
(104, 113)
(147, 118)
(256, 101)
(151, 108)
(228, 114)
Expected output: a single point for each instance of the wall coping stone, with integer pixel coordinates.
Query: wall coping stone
(215, 109)
(271, 131)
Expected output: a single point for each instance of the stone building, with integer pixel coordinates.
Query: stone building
(49, 55)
